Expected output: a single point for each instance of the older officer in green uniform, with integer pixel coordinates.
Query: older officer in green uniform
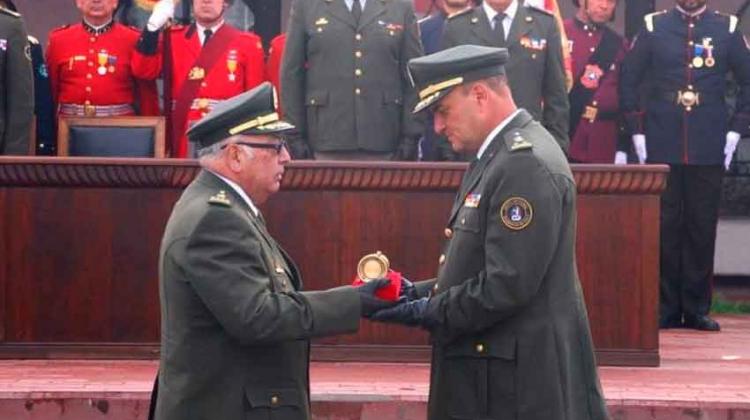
(16, 84)
(535, 69)
(508, 323)
(344, 82)
(235, 323)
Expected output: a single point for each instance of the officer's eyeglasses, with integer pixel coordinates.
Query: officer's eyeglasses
(275, 146)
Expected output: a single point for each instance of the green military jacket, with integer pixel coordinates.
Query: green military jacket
(345, 84)
(535, 70)
(511, 338)
(234, 323)
(17, 99)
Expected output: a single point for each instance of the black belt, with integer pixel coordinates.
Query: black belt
(687, 98)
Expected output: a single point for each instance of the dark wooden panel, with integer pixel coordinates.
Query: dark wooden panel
(79, 243)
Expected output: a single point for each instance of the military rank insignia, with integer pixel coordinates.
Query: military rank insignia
(516, 213)
(518, 142)
(197, 73)
(220, 198)
(472, 200)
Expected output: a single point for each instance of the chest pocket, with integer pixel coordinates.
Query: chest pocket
(468, 219)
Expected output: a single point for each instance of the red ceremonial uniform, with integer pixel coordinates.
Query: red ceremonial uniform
(93, 71)
(595, 139)
(240, 68)
(273, 65)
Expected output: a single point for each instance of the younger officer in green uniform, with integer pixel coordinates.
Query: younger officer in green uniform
(535, 68)
(235, 323)
(16, 85)
(507, 319)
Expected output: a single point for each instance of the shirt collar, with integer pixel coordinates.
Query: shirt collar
(202, 28)
(350, 3)
(510, 11)
(97, 30)
(239, 192)
(691, 14)
(495, 132)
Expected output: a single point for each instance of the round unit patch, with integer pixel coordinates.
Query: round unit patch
(516, 213)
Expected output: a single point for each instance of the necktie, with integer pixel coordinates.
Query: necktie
(499, 29)
(356, 10)
(207, 35)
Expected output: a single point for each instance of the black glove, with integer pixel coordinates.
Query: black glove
(408, 290)
(407, 150)
(369, 303)
(407, 312)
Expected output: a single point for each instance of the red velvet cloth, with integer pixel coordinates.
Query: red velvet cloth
(389, 292)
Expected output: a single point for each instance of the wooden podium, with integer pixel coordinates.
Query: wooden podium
(79, 247)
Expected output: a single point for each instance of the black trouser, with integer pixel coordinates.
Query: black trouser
(689, 213)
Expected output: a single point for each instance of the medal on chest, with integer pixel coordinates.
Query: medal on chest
(102, 58)
(591, 76)
(232, 65)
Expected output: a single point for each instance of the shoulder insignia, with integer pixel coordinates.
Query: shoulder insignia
(9, 12)
(649, 19)
(220, 198)
(733, 21)
(61, 28)
(33, 40)
(539, 9)
(461, 13)
(516, 141)
(516, 213)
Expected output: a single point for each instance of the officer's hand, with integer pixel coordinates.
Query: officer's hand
(730, 146)
(407, 150)
(621, 158)
(299, 149)
(408, 290)
(163, 11)
(639, 143)
(369, 303)
(411, 313)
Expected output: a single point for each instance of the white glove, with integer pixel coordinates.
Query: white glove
(163, 11)
(733, 138)
(639, 142)
(621, 158)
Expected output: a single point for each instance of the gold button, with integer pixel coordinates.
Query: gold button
(690, 66)
(690, 87)
(89, 76)
(204, 84)
(358, 54)
(448, 233)
(320, 29)
(441, 259)
(279, 270)
(357, 91)
(480, 348)
(88, 88)
(312, 101)
(358, 37)
(435, 287)
(463, 221)
(274, 400)
(357, 72)
(594, 103)
(591, 34)
(91, 64)
(691, 43)
(592, 49)
(91, 51)
(87, 102)
(691, 25)
(688, 108)
(533, 56)
(92, 39)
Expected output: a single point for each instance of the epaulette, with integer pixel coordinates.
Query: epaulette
(515, 141)
(60, 28)
(9, 12)
(733, 20)
(649, 19)
(539, 9)
(33, 40)
(461, 13)
(220, 198)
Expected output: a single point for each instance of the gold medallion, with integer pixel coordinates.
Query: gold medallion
(698, 62)
(373, 266)
(710, 62)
